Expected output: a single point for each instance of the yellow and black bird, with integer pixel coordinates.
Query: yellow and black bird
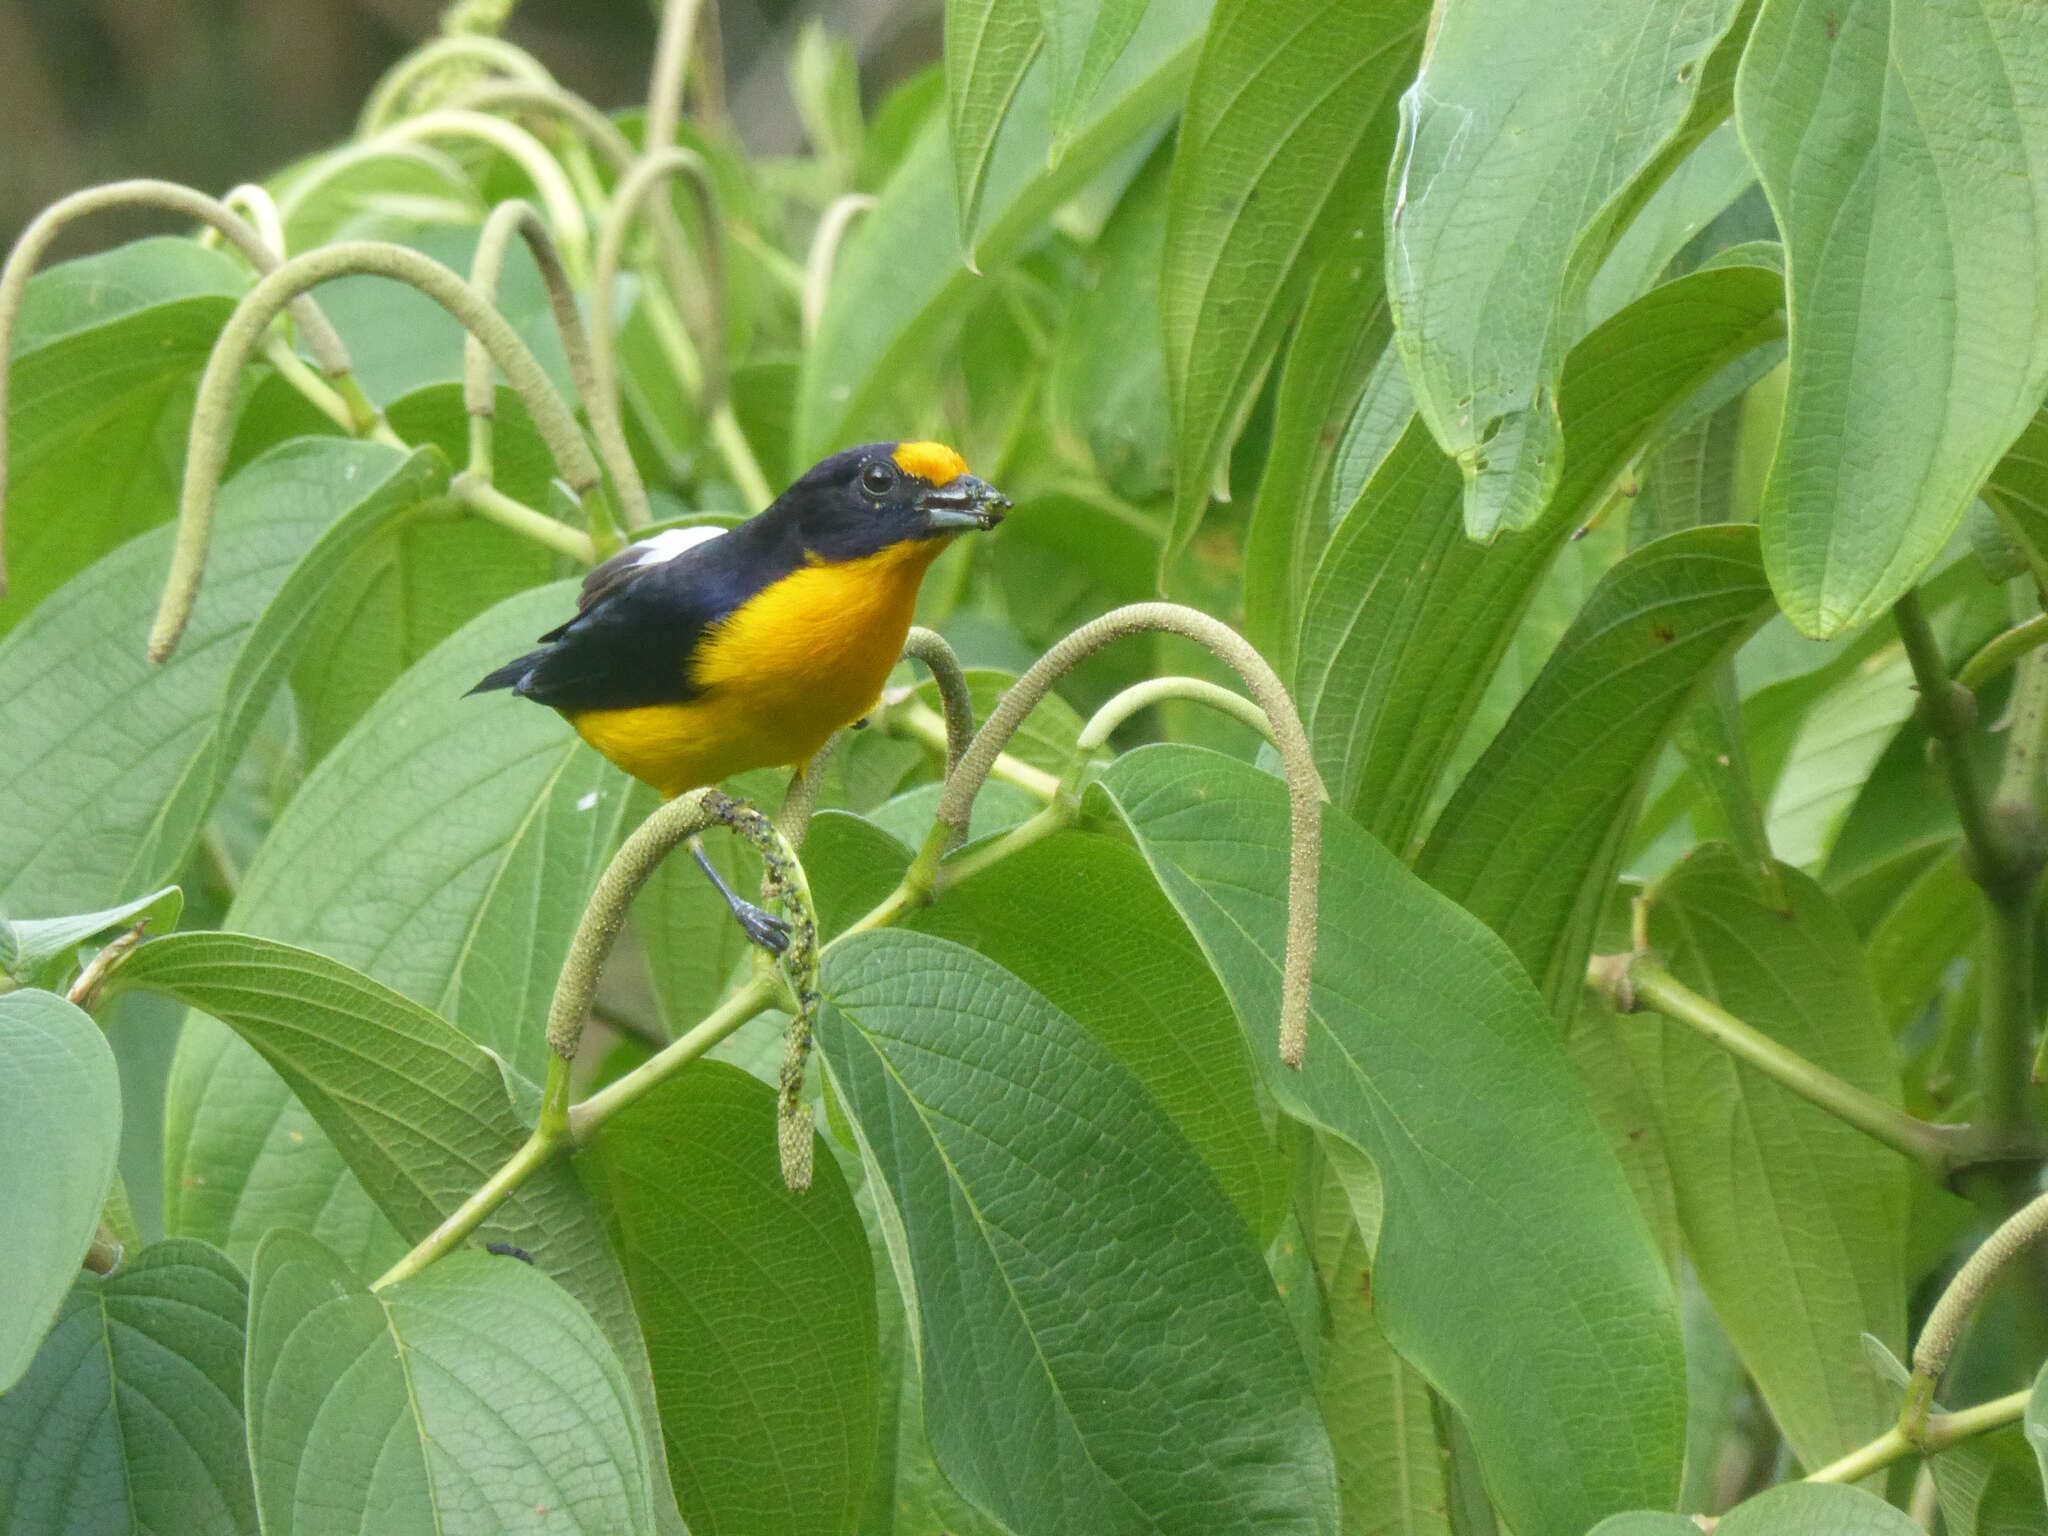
(695, 656)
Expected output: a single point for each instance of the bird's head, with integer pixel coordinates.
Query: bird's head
(869, 498)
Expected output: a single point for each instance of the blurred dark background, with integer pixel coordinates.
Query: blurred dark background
(215, 92)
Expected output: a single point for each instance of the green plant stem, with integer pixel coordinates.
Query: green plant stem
(534, 1154)
(1943, 1431)
(919, 721)
(1304, 785)
(760, 993)
(479, 382)
(35, 241)
(929, 647)
(671, 66)
(213, 412)
(1635, 980)
(824, 254)
(1944, 1324)
(2003, 651)
(488, 501)
(1949, 712)
(550, 182)
(388, 96)
(1156, 689)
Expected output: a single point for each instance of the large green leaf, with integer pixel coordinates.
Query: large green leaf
(1102, 1347)
(461, 892)
(131, 1416)
(1838, 743)
(105, 352)
(1904, 149)
(1391, 670)
(1083, 38)
(1531, 136)
(60, 1126)
(1281, 164)
(989, 46)
(474, 1397)
(1390, 1468)
(897, 287)
(1512, 1265)
(1531, 841)
(1794, 1221)
(1991, 1486)
(1341, 337)
(422, 1114)
(108, 764)
(758, 1306)
(1138, 984)
(1816, 1509)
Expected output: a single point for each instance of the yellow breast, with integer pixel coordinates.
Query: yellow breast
(777, 676)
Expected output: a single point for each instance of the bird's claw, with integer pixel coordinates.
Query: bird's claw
(764, 929)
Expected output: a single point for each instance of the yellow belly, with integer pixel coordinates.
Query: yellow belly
(778, 675)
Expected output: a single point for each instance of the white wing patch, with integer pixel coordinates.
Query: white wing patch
(671, 542)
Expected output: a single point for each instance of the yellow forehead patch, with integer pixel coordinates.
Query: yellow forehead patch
(934, 462)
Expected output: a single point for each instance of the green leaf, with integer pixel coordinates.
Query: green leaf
(95, 806)
(60, 1126)
(1083, 38)
(1340, 339)
(472, 921)
(131, 1416)
(1990, 1486)
(1838, 743)
(1138, 984)
(989, 46)
(1794, 1221)
(105, 352)
(1529, 140)
(1646, 1522)
(1904, 149)
(423, 1115)
(1702, 187)
(41, 951)
(1937, 917)
(1070, 1246)
(1531, 841)
(1507, 1217)
(1816, 1509)
(898, 288)
(758, 1306)
(1391, 671)
(1281, 165)
(474, 1397)
(1390, 1469)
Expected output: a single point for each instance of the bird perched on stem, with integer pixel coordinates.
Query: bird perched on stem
(696, 656)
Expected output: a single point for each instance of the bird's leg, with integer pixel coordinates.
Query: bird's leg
(764, 929)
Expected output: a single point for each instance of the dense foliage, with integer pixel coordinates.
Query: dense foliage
(1616, 426)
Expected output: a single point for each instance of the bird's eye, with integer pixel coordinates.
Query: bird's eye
(878, 480)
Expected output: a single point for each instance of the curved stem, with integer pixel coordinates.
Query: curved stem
(1943, 1431)
(35, 240)
(759, 994)
(794, 818)
(916, 719)
(1305, 788)
(1945, 1323)
(387, 96)
(647, 174)
(486, 500)
(534, 1153)
(838, 218)
(2003, 650)
(605, 913)
(296, 193)
(597, 130)
(671, 65)
(479, 386)
(929, 647)
(1631, 981)
(549, 180)
(212, 413)
(255, 204)
(1155, 689)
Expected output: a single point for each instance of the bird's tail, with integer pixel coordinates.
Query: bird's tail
(509, 675)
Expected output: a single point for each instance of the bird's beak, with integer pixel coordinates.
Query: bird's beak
(964, 502)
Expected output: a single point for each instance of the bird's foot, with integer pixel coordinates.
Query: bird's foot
(763, 928)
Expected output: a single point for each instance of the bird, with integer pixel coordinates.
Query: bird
(697, 654)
